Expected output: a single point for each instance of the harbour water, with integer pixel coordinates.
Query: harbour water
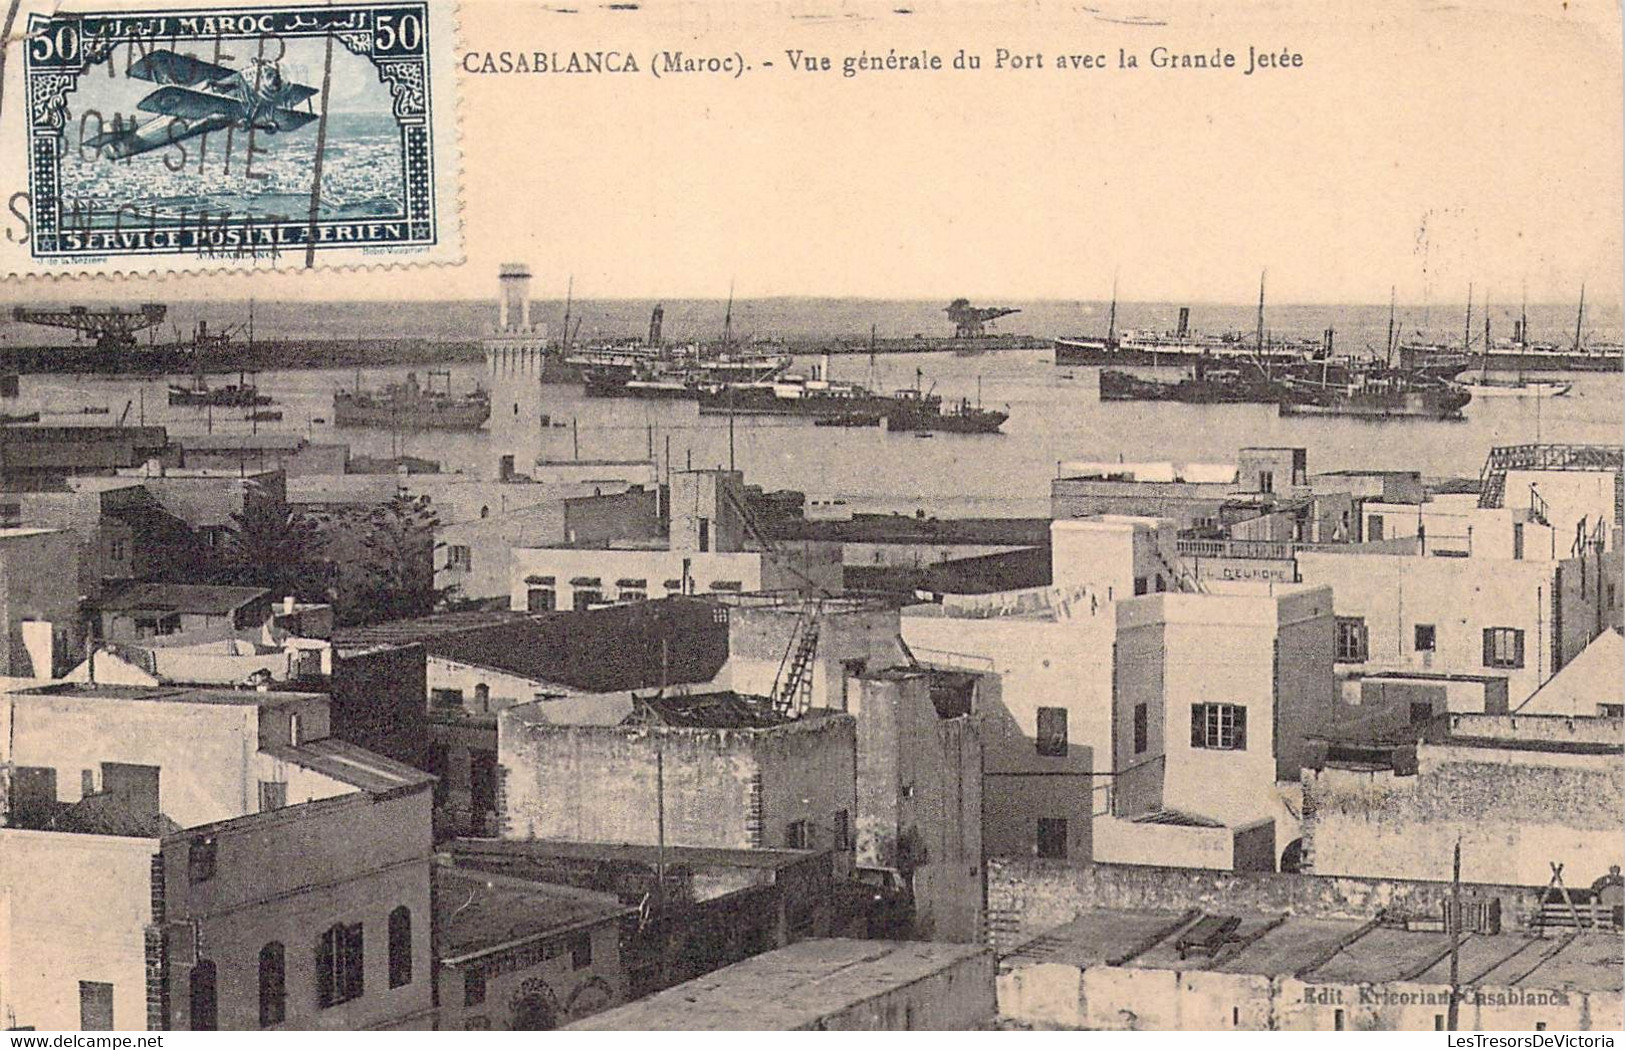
(1055, 415)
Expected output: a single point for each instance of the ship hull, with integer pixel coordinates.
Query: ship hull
(459, 418)
(1535, 389)
(1087, 351)
(1405, 406)
(1120, 386)
(981, 422)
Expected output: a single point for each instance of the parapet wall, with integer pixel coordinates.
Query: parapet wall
(1027, 897)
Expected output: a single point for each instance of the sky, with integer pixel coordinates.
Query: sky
(1420, 146)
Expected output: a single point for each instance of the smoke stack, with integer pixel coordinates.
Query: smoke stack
(1328, 342)
(655, 320)
(1184, 321)
(514, 303)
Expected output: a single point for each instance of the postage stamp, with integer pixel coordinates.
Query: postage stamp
(245, 137)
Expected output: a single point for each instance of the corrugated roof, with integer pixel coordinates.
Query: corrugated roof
(192, 598)
(678, 641)
(366, 770)
(477, 913)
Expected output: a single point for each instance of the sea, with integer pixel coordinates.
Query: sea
(1055, 412)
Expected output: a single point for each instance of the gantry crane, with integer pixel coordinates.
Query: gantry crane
(113, 329)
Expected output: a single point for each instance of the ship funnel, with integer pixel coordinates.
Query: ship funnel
(1184, 322)
(514, 303)
(656, 319)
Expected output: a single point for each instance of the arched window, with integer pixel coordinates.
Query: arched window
(205, 1012)
(400, 947)
(273, 985)
(339, 964)
(482, 698)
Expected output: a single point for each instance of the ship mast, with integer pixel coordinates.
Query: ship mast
(1467, 332)
(1111, 317)
(1392, 296)
(728, 318)
(1579, 319)
(1484, 372)
(569, 296)
(1258, 349)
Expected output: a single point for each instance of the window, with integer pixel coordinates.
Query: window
(95, 1006)
(120, 550)
(200, 859)
(1266, 481)
(1427, 638)
(1374, 528)
(705, 535)
(400, 947)
(1161, 584)
(843, 829)
(1351, 642)
(586, 599)
(795, 835)
(445, 698)
(632, 595)
(1052, 731)
(581, 950)
(273, 795)
(482, 697)
(1140, 586)
(473, 988)
(1503, 647)
(1052, 838)
(1142, 729)
(482, 782)
(539, 599)
(87, 783)
(1219, 727)
(1421, 711)
(273, 985)
(1517, 541)
(458, 557)
(205, 1005)
(339, 957)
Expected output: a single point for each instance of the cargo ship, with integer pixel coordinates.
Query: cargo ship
(972, 335)
(682, 374)
(819, 397)
(1181, 346)
(1369, 390)
(408, 406)
(1208, 383)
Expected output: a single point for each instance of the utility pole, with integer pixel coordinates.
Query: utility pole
(575, 437)
(1454, 1009)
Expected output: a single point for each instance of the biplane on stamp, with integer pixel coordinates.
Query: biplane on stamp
(264, 137)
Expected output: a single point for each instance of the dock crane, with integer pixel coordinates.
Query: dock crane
(970, 322)
(113, 328)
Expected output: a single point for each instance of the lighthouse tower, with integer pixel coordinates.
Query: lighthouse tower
(516, 355)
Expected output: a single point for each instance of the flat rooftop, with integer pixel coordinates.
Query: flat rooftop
(672, 856)
(169, 694)
(785, 990)
(478, 913)
(1329, 951)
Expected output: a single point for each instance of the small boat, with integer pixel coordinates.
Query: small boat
(7, 419)
(94, 410)
(265, 415)
(1521, 386)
